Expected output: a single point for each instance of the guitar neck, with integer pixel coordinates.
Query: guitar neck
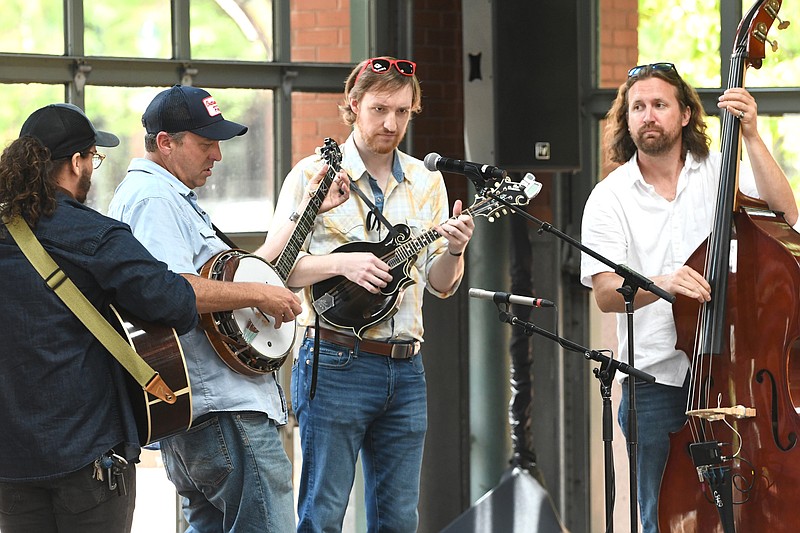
(285, 261)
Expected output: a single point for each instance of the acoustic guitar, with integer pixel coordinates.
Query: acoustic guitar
(160, 347)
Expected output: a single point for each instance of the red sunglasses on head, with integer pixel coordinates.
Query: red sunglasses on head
(381, 65)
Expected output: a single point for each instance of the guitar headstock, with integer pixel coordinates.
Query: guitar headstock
(331, 153)
(490, 201)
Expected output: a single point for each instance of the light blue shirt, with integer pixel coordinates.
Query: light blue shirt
(165, 216)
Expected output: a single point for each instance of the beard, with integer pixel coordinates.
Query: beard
(377, 143)
(380, 145)
(658, 145)
(84, 184)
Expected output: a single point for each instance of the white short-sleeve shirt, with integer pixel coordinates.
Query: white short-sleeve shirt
(627, 222)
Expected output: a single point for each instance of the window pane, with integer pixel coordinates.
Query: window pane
(320, 31)
(231, 29)
(32, 27)
(239, 193)
(119, 111)
(120, 28)
(315, 116)
(20, 100)
(685, 33)
(780, 134)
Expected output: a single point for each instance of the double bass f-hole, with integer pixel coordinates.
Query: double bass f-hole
(776, 430)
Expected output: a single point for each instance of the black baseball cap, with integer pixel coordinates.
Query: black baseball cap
(65, 130)
(183, 108)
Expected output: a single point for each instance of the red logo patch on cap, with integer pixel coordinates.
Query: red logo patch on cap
(211, 106)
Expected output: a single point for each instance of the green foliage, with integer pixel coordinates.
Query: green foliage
(685, 33)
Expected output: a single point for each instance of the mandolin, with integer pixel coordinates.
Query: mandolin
(347, 305)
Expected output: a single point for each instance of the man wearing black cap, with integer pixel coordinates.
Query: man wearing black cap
(62, 394)
(230, 467)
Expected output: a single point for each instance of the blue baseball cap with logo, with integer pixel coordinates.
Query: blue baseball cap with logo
(183, 108)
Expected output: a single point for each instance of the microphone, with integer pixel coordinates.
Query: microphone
(434, 161)
(505, 298)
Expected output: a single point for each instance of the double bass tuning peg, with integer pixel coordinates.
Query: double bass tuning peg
(772, 8)
(773, 44)
(782, 25)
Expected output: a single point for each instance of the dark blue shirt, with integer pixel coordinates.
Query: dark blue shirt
(63, 400)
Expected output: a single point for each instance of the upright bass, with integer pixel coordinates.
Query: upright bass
(735, 466)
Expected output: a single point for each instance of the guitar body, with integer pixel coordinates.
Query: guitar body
(160, 347)
(354, 307)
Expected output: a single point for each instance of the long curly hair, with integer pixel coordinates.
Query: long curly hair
(618, 140)
(27, 180)
(358, 83)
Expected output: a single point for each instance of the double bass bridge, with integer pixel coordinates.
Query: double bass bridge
(715, 414)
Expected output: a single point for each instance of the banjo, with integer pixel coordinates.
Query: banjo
(246, 339)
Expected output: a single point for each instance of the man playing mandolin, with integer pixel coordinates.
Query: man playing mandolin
(369, 394)
(230, 467)
(650, 214)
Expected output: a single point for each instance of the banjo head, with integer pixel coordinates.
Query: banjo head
(246, 339)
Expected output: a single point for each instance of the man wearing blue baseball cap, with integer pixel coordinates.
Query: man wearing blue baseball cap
(69, 439)
(230, 467)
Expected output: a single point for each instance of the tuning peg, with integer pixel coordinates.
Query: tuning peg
(773, 44)
(782, 24)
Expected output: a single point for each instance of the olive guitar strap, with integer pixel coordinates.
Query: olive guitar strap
(69, 293)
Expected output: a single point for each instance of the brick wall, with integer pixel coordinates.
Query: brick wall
(619, 43)
(320, 33)
(619, 49)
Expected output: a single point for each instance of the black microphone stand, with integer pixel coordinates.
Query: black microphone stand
(605, 374)
(631, 282)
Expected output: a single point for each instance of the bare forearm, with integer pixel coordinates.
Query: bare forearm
(313, 268)
(446, 272)
(215, 295)
(773, 187)
(609, 300)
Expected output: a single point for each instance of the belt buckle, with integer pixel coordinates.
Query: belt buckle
(402, 350)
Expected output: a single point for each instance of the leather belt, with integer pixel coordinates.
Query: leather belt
(395, 350)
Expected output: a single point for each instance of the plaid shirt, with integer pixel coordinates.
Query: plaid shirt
(416, 197)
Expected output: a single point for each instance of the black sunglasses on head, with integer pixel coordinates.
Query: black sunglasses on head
(639, 69)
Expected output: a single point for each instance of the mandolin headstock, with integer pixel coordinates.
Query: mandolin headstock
(493, 202)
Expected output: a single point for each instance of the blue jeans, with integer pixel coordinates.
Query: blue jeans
(76, 503)
(364, 403)
(660, 410)
(233, 474)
